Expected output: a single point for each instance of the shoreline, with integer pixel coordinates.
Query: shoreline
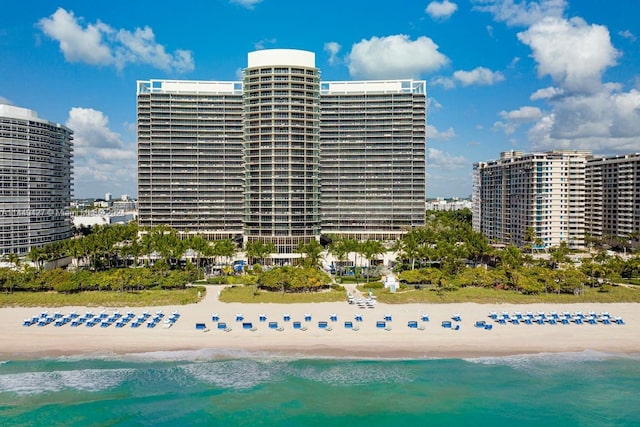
(368, 343)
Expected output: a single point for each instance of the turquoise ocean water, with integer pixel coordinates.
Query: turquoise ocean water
(214, 389)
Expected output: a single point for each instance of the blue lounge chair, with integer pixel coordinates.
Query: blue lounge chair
(348, 325)
(215, 318)
(381, 324)
(487, 327)
(151, 325)
(262, 318)
(551, 320)
(322, 324)
(273, 325)
(424, 318)
(358, 317)
(387, 317)
(135, 324)
(456, 317)
(480, 324)
(297, 325)
(413, 324)
(201, 326)
(27, 322)
(456, 328)
(247, 325)
(333, 317)
(286, 317)
(222, 325)
(307, 317)
(239, 317)
(446, 324)
(515, 321)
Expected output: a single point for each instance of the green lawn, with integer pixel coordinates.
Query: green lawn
(147, 298)
(493, 296)
(249, 294)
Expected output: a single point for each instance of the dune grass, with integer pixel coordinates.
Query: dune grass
(250, 294)
(147, 298)
(493, 296)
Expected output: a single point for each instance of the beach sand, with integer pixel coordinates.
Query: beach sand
(368, 342)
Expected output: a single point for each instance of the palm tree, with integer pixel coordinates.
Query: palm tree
(370, 249)
(312, 252)
(338, 249)
(259, 250)
(37, 255)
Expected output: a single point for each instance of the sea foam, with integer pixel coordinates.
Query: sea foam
(90, 380)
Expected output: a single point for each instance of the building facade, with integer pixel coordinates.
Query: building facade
(282, 157)
(544, 192)
(190, 156)
(613, 196)
(36, 166)
(372, 157)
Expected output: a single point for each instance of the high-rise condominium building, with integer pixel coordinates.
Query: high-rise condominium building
(282, 157)
(372, 157)
(613, 196)
(36, 174)
(190, 156)
(544, 192)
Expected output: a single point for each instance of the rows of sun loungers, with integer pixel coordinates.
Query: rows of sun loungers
(102, 319)
(369, 302)
(305, 324)
(554, 318)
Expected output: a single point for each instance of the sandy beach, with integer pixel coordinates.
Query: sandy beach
(369, 341)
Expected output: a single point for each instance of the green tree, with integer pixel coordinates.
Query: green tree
(311, 252)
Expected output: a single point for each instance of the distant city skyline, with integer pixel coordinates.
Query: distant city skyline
(501, 74)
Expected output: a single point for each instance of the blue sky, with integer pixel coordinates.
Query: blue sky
(501, 74)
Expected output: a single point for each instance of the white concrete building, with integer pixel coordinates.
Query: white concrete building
(36, 176)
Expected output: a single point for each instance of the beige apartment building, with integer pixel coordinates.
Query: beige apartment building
(541, 191)
(562, 195)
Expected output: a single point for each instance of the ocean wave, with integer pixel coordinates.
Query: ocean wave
(234, 374)
(353, 373)
(90, 380)
(540, 362)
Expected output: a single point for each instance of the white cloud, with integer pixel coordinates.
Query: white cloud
(249, 4)
(102, 45)
(441, 10)
(573, 53)
(332, 48)
(78, 44)
(524, 13)
(478, 76)
(627, 35)
(433, 104)
(522, 115)
(445, 82)
(434, 133)
(546, 93)
(514, 118)
(5, 101)
(439, 159)
(506, 127)
(263, 43)
(394, 56)
(102, 161)
(606, 121)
